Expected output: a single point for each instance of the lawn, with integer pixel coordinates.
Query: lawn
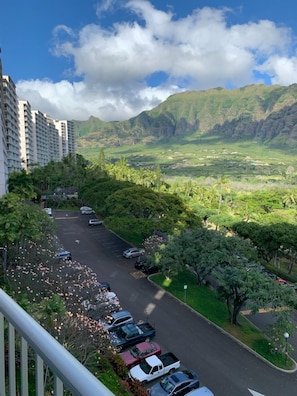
(203, 300)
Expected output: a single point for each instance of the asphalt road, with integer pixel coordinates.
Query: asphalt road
(224, 365)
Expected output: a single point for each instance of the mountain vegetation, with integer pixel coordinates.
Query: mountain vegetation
(263, 113)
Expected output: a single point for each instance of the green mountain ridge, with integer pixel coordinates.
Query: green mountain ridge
(265, 113)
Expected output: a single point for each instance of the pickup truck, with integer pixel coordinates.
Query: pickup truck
(154, 366)
(130, 334)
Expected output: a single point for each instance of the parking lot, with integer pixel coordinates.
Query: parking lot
(223, 365)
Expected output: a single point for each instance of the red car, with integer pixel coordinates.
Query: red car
(139, 352)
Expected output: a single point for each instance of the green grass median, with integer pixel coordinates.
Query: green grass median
(203, 299)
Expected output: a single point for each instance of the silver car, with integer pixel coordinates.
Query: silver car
(86, 210)
(133, 252)
(95, 222)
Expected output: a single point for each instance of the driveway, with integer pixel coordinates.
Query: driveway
(224, 365)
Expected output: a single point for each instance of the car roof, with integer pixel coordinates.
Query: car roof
(119, 314)
(143, 346)
(178, 377)
(153, 360)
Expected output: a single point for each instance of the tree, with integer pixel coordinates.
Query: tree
(21, 183)
(240, 287)
(223, 187)
(201, 251)
(167, 211)
(236, 286)
(55, 295)
(22, 225)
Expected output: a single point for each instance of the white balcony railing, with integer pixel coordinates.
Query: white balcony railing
(69, 374)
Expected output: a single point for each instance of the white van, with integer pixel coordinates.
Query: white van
(203, 391)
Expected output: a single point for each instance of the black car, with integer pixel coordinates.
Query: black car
(142, 265)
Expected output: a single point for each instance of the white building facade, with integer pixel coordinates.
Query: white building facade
(66, 137)
(26, 134)
(3, 153)
(11, 116)
(28, 138)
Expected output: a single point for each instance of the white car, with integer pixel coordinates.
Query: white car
(95, 222)
(86, 210)
(49, 211)
(133, 252)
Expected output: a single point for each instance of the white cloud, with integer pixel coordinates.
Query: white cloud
(199, 51)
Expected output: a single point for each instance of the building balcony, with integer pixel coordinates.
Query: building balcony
(19, 334)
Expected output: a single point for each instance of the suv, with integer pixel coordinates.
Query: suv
(115, 319)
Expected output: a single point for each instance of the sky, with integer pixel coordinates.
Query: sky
(113, 59)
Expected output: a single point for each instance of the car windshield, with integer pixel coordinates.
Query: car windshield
(121, 333)
(135, 352)
(145, 367)
(167, 385)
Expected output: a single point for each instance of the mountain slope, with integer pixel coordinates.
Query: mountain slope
(266, 113)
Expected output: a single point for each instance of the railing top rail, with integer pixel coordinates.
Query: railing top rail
(71, 372)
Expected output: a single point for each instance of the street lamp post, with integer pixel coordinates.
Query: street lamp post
(185, 289)
(286, 335)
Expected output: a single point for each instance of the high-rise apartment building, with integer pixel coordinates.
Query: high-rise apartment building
(26, 134)
(66, 137)
(3, 154)
(41, 138)
(53, 139)
(28, 137)
(11, 130)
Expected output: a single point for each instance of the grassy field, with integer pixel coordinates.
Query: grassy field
(207, 157)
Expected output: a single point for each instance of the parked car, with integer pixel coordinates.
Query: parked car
(133, 252)
(131, 334)
(177, 384)
(49, 211)
(203, 391)
(116, 319)
(154, 367)
(105, 286)
(142, 265)
(95, 222)
(86, 210)
(64, 255)
(139, 352)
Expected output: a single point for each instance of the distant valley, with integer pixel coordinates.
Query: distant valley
(198, 133)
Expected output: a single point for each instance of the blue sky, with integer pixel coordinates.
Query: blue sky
(115, 58)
